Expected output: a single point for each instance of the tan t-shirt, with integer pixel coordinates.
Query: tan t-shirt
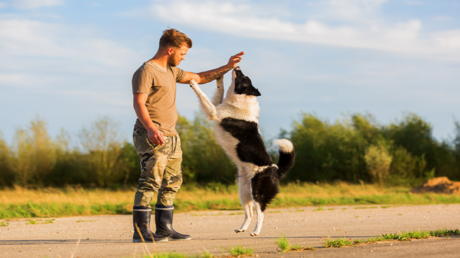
(160, 86)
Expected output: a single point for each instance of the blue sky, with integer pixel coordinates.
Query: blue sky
(71, 62)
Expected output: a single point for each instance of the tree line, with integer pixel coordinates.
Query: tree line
(355, 149)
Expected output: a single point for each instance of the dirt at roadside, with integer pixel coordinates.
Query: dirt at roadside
(438, 185)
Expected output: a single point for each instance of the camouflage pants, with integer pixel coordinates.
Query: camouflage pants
(160, 169)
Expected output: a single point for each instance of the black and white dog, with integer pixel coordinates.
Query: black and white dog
(237, 131)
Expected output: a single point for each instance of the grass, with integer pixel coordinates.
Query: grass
(240, 251)
(71, 201)
(403, 236)
(285, 246)
(166, 255)
(4, 224)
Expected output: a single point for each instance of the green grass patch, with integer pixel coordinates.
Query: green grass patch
(285, 246)
(31, 222)
(338, 243)
(283, 243)
(274, 212)
(41, 210)
(86, 221)
(167, 255)
(402, 236)
(4, 224)
(319, 209)
(240, 251)
(105, 202)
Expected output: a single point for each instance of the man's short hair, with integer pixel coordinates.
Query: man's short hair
(174, 38)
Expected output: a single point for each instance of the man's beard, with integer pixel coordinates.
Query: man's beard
(171, 61)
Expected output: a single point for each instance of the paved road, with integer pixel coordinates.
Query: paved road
(110, 236)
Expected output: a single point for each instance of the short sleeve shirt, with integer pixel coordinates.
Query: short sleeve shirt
(160, 86)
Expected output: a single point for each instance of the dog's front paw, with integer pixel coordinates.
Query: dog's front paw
(239, 230)
(193, 84)
(254, 234)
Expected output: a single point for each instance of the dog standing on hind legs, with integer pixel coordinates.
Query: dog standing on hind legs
(237, 131)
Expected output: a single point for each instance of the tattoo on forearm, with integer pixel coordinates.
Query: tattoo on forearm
(215, 75)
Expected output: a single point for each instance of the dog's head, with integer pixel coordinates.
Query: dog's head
(243, 84)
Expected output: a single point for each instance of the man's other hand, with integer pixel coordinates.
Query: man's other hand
(156, 137)
(234, 60)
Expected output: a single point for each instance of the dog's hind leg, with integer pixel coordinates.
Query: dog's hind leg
(208, 108)
(260, 219)
(219, 95)
(244, 186)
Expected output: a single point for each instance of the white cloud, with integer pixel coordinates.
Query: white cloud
(3, 5)
(29, 4)
(360, 25)
(24, 44)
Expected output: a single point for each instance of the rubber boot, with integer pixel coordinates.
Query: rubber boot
(163, 222)
(141, 218)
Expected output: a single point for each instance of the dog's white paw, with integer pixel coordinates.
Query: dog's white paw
(254, 234)
(239, 230)
(193, 84)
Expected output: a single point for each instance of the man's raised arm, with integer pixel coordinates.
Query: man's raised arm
(205, 77)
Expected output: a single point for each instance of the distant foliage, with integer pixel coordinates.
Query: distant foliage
(354, 149)
(378, 162)
(336, 151)
(203, 159)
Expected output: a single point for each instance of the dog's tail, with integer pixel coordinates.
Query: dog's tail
(287, 156)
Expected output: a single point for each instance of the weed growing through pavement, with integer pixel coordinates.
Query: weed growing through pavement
(178, 255)
(283, 243)
(372, 207)
(238, 251)
(167, 255)
(86, 221)
(285, 246)
(403, 236)
(4, 224)
(338, 243)
(319, 209)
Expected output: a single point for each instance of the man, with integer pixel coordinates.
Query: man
(155, 137)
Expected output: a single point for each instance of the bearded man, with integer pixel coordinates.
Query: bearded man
(155, 137)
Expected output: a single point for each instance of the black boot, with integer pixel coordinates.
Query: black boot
(141, 218)
(163, 221)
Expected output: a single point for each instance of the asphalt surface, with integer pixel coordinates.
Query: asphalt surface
(213, 231)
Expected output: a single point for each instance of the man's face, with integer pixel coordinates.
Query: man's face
(177, 55)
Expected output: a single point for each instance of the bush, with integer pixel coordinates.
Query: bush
(378, 162)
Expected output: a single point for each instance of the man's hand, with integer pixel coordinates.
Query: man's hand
(234, 60)
(155, 137)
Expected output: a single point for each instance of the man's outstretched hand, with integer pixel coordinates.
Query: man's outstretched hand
(234, 60)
